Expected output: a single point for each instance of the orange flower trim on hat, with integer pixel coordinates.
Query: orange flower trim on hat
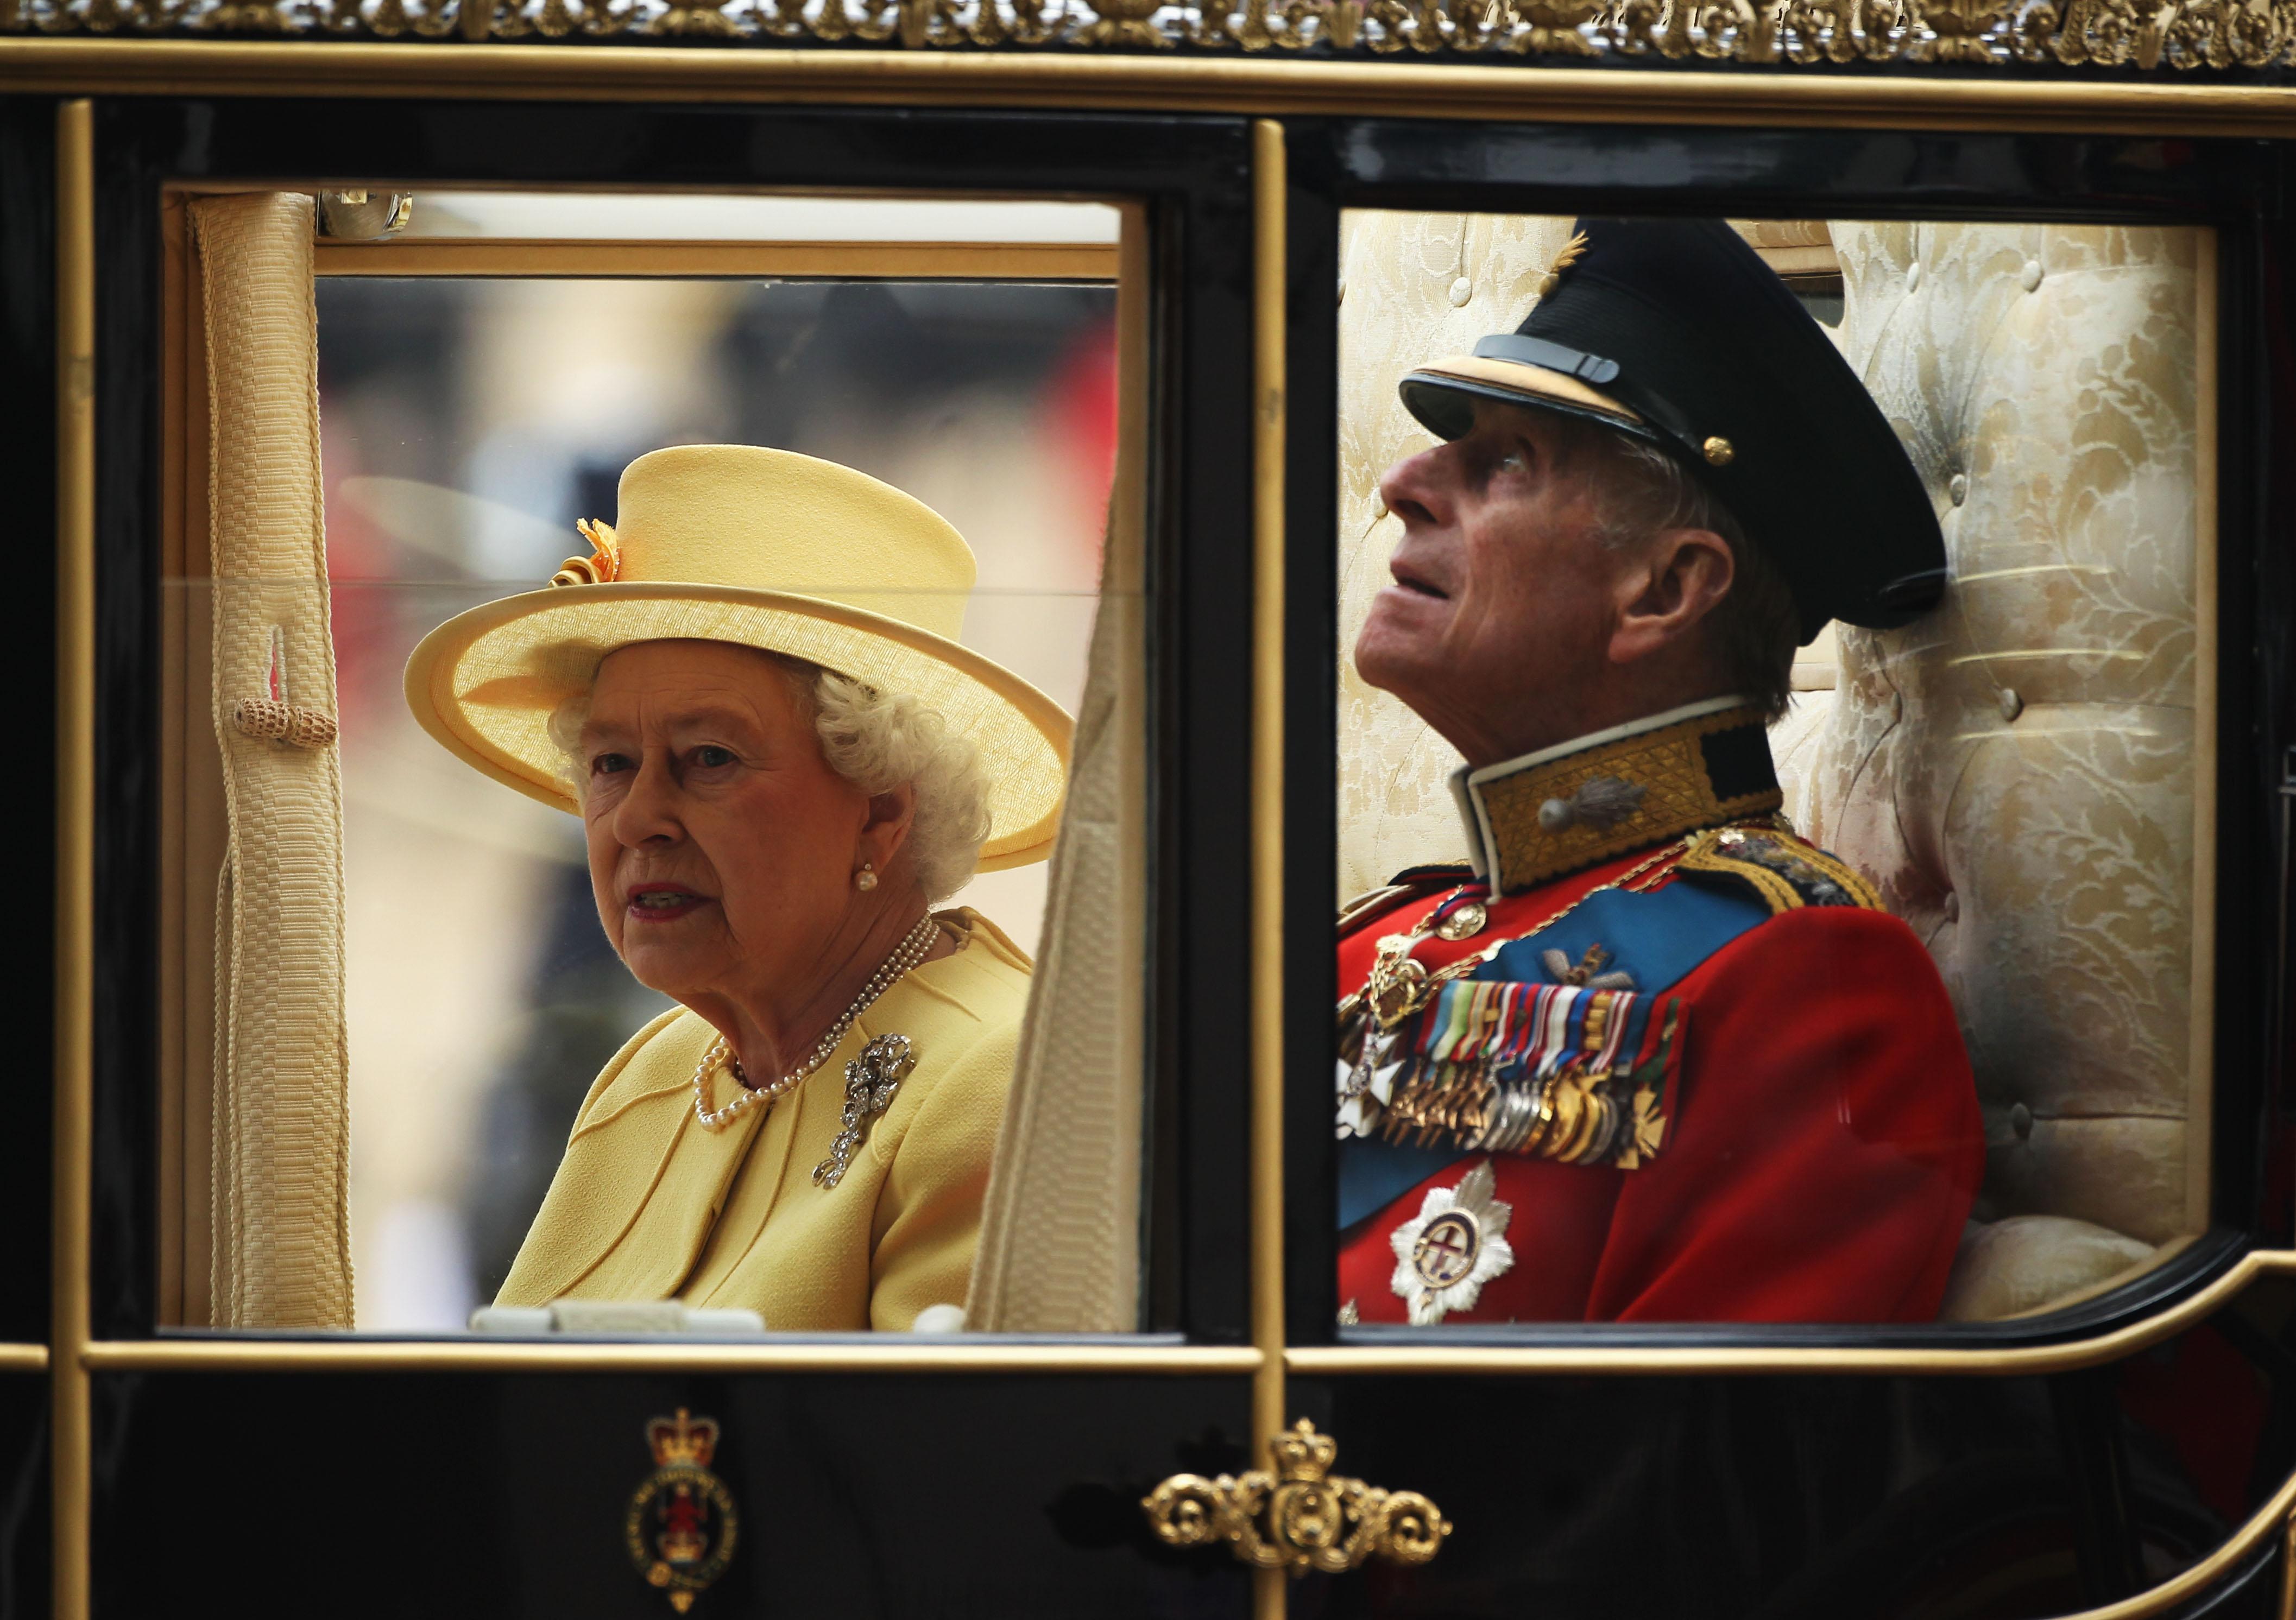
(602, 566)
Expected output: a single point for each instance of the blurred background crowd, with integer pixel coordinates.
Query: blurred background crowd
(466, 424)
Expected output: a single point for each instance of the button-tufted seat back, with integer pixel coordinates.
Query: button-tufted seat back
(2016, 770)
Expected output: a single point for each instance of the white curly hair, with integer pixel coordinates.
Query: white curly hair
(876, 740)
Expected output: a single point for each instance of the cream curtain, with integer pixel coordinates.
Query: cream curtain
(2025, 772)
(1060, 1239)
(1061, 1223)
(280, 1129)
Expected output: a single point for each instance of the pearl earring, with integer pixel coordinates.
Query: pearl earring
(865, 879)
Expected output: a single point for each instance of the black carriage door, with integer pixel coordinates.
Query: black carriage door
(1047, 317)
(2055, 1436)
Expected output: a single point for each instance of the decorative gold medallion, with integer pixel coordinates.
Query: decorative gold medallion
(1719, 451)
(1464, 923)
(1301, 1517)
(682, 1527)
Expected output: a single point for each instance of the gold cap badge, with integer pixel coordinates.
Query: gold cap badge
(1572, 252)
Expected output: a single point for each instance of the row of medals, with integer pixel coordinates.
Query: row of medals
(1568, 1117)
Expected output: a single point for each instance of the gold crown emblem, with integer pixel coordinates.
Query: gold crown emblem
(1572, 252)
(683, 1439)
(602, 566)
(1302, 1453)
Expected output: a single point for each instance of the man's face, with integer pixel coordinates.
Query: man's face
(1498, 622)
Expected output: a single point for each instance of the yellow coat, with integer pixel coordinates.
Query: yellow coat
(647, 1204)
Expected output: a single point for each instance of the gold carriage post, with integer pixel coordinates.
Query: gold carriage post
(1268, 1418)
(74, 925)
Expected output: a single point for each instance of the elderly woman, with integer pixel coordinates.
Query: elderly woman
(753, 694)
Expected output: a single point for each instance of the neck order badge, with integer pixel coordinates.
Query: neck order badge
(682, 1526)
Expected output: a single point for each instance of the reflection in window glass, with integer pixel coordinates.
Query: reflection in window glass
(1620, 1042)
(467, 425)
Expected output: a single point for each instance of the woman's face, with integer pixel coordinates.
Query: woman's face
(722, 847)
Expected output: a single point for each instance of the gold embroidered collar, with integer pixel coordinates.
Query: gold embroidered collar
(1562, 808)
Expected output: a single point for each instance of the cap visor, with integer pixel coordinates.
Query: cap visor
(1434, 394)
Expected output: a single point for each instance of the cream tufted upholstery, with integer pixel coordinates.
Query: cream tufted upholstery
(1412, 286)
(2016, 770)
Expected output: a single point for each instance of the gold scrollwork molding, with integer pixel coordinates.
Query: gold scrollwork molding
(1301, 1518)
(2175, 34)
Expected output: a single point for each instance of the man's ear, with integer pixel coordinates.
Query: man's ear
(885, 825)
(1683, 576)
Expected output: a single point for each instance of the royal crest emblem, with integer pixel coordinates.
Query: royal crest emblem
(682, 1526)
(1456, 1244)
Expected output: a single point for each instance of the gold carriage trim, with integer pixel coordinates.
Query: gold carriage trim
(2182, 34)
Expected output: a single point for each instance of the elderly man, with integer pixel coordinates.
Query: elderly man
(1649, 1056)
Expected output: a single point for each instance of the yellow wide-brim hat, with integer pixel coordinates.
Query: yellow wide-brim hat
(760, 548)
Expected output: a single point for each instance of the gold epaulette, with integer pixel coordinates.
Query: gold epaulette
(1785, 871)
(1410, 884)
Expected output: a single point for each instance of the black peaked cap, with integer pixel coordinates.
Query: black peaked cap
(1711, 355)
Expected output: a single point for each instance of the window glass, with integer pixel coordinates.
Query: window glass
(1776, 709)
(843, 604)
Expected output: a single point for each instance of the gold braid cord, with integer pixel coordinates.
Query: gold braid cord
(1302, 1517)
(2180, 34)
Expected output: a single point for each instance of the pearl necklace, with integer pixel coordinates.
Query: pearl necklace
(906, 955)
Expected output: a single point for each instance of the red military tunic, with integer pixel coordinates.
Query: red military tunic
(1821, 1144)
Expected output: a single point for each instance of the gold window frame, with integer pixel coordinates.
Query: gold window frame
(1778, 243)
(2182, 35)
(193, 825)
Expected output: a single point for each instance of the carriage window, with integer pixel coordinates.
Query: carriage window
(1777, 740)
(612, 886)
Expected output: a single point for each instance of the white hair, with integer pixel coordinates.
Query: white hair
(875, 740)
(1641, 491)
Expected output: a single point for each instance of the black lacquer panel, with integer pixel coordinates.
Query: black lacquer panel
(1891, 1499)
(1310, 699)
(1803, 173)
(858, 1496)
(1194, 175)
(2263, 369)
(23, 1495)
(27, 458)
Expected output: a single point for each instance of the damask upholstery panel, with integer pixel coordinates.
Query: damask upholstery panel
(1413, 287)
(2015, 770)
